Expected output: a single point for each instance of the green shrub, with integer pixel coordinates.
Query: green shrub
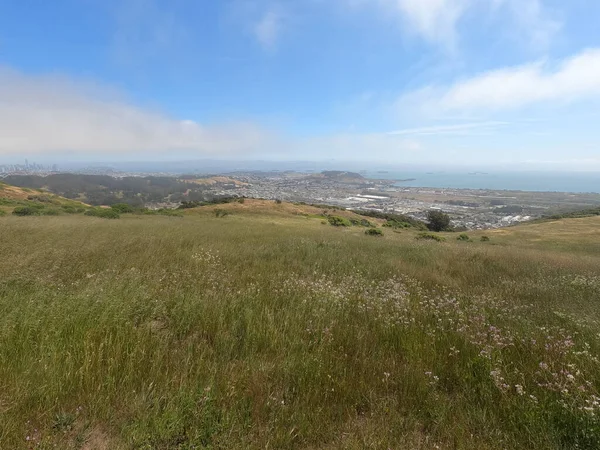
(25, 211)
(393, 223)
(40, 198)
(338, 221)
(278, 201)
(2, 212)
(390, 217)
(464, 238)
(374, 232)
(104, 213)
(122, 208)
(430, 237)
(221, 213)
(485, 239)
(50, 212)
(362, 223)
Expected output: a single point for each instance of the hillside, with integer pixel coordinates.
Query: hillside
(261, 325)
(37, 200)
(9, 192)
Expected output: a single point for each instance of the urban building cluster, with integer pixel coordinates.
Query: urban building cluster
(27, 168)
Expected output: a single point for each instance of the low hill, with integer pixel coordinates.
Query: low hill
(339, 176)
(107, 190)
(41, 201)
(261, 325)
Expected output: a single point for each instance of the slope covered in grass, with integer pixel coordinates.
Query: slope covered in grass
(39, 201)
(269, 329)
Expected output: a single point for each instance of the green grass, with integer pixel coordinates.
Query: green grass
(274, 331)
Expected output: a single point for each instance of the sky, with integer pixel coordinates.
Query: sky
(490, 83)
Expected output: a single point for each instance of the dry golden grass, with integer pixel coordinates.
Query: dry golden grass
(216, 180)
(16, 193)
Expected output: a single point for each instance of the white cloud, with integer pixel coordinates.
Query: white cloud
(267, 30)
(463, 128)
(574, 79)
(56, 115)
(52, 114)
(438, 21)
(434, 19)
(532, 20)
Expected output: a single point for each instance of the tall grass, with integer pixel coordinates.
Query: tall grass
(251, 332)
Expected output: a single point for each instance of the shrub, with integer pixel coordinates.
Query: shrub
(278, 201)
(161, 212)
(390, 217)
(241, 200)
(338, 221)
(374, 232)
(438, 221)
(2, 212)
(430, 237)
(50, 212)
(393, 223)
(104, 213)
(362, 223)
(464, 238)
(25, 211)
(40, 198)
(485, 239)
(221, 213)
(122, 208)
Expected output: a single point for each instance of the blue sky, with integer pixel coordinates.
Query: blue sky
(512, 83)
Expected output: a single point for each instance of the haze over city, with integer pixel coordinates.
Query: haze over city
(503, 83)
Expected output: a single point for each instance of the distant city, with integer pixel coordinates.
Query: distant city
(27, 168)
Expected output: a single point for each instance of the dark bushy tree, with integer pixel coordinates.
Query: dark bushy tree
(438, 221)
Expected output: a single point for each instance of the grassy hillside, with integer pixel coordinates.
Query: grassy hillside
(39, 202)
(269, 328)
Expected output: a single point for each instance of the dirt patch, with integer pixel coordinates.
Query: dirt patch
(98, 439)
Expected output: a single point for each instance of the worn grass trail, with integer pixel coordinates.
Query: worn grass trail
(275, 331)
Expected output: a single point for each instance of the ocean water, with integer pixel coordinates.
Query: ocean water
(578, 182)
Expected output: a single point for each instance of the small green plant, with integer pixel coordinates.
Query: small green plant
(430, 237)
(63, 422)
(278, 201)
(463, 238)
(2, 212)
(374, 232)
(338, 221)
(485, 239)
(241, 200)
(221, 213)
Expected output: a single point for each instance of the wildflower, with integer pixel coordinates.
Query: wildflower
(519, 389)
